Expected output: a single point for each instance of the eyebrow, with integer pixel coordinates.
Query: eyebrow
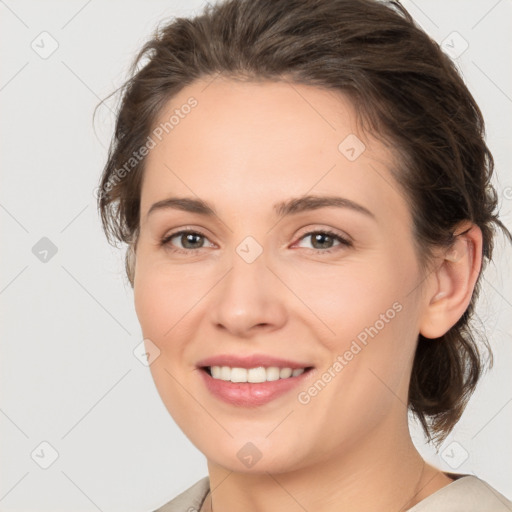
(289, 207)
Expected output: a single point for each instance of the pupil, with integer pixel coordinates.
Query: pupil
(323, 240)
(189, 238)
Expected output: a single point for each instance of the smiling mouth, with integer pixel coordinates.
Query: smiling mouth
(254, 375)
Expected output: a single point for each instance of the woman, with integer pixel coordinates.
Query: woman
(305, 191)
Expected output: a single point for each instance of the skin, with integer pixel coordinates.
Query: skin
(243, 148)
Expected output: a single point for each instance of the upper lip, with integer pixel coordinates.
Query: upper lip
(251, 361)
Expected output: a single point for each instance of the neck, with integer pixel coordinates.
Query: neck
(383, 473)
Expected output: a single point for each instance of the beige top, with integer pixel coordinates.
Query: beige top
(465, 494)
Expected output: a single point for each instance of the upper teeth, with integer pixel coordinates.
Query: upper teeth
(259, 374)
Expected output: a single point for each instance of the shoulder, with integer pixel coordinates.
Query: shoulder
(467, 493)
(189, 500)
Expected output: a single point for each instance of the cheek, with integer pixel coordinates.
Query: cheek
(366, 319)
(366, 375)
(150, 304)
(162, 300)
(348, 298)
(163, 295)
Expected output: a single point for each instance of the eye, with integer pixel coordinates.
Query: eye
(325, 241)
(187, 239)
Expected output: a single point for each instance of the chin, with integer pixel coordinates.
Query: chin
(259, 456)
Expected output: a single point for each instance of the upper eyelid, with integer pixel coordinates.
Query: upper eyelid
(328, 232)
(309, 231)
(186, 229)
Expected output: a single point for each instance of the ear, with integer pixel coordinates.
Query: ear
(452, 282)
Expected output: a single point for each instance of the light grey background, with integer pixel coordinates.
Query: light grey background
(68, 376)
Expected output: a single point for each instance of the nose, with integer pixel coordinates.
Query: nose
(249, 299)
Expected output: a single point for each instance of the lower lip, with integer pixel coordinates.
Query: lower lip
(249, 394)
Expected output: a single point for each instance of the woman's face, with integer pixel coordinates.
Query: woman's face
(269, 278)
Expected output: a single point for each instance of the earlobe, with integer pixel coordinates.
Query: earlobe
(453, 282)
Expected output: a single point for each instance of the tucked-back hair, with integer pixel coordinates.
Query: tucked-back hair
(407, 93)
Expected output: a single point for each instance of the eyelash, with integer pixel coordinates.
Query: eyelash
(343, 242)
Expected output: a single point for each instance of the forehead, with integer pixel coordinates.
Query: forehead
(258, 141)
(242, 121)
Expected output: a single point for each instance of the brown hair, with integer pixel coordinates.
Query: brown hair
(409, 95)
